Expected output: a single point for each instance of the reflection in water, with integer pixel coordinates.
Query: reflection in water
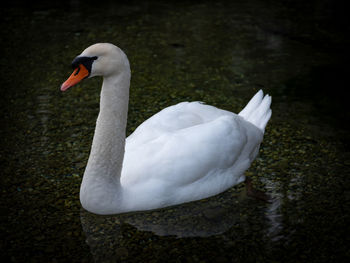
(295, 186)
(275, 223)
(195, 219)
(43, 112)
(273, 210)
(226, 217)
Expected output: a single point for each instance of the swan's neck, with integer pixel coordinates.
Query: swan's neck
(107, 149)
(101, 187)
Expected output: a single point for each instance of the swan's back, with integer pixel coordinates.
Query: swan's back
(173, 119)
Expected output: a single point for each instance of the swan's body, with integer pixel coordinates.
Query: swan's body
(183, 153)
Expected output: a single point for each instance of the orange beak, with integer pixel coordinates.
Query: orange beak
(78, 75)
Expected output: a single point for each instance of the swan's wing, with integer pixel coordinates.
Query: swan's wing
(172, 119)
(210, 156)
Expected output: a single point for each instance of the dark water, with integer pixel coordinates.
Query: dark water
(220, 53)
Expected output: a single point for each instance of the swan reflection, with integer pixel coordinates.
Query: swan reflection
(226, 216)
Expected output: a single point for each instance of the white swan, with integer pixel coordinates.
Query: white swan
(185, 152)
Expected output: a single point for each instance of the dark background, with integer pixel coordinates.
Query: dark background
(321, 25)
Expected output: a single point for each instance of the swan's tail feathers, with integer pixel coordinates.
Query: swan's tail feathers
(258, 110)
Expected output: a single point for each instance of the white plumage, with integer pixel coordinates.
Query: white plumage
(185, 152)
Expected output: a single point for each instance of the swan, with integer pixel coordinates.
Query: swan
(185, 152)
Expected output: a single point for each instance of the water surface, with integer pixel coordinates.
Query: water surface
(220, 53)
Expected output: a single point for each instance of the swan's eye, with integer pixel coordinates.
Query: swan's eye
(77, 72)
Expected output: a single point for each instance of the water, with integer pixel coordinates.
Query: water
(218, 53)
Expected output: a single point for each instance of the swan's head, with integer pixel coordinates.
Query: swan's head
(101, 59)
